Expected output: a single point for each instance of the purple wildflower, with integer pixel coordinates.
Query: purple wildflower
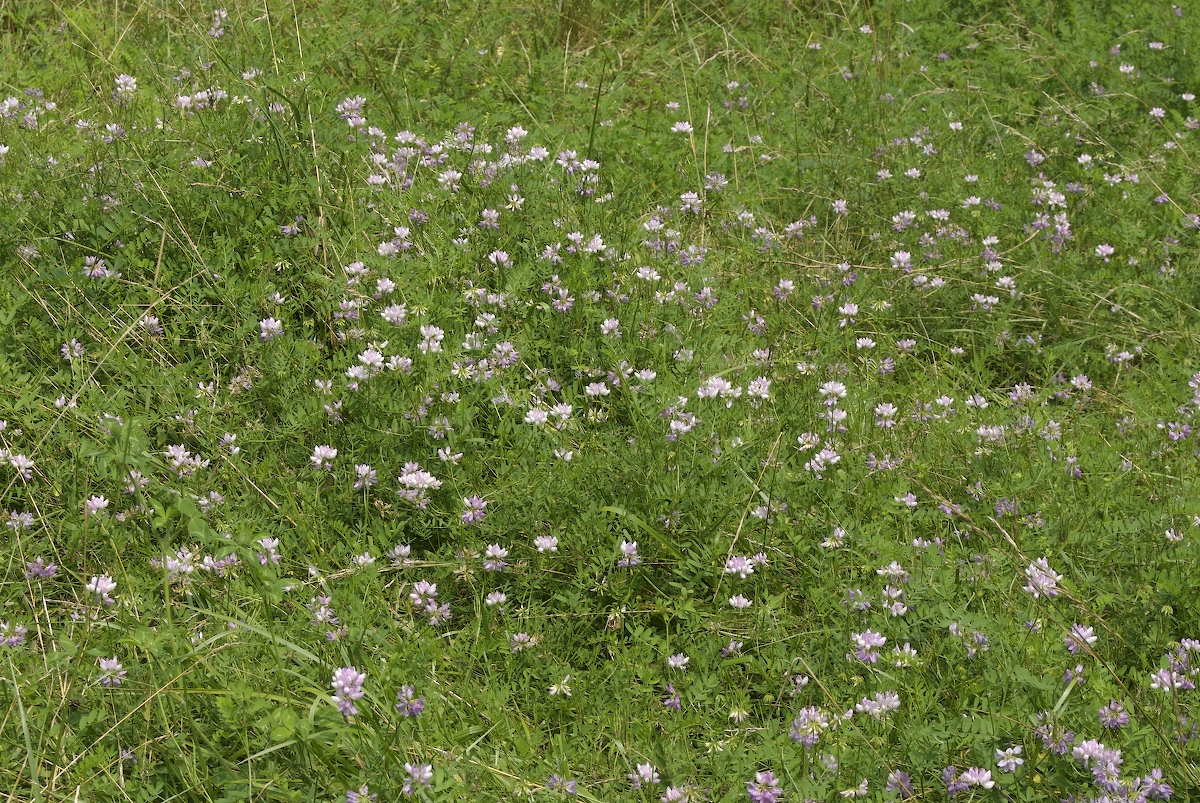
(362, 795)
(1113, 716)
(12, 635)
(866, 644)
(1079, 638)
(39, 569)
(102, 587)
(808, 725)
(629, 555)
(419, 775)
(764, 788)
(643, 774)
(111, 672)
(1008, 760)
(899, 781)
(474, 509)
(494, 558)
(348, 686)
(409, 704)
(1042, 580)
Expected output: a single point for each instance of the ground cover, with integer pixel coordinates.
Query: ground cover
(622, 401)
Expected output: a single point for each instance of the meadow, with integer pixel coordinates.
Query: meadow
(642, 400)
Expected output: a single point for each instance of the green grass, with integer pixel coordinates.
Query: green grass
(1044, 392)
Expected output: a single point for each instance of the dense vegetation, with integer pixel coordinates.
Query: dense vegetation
(617, 400)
